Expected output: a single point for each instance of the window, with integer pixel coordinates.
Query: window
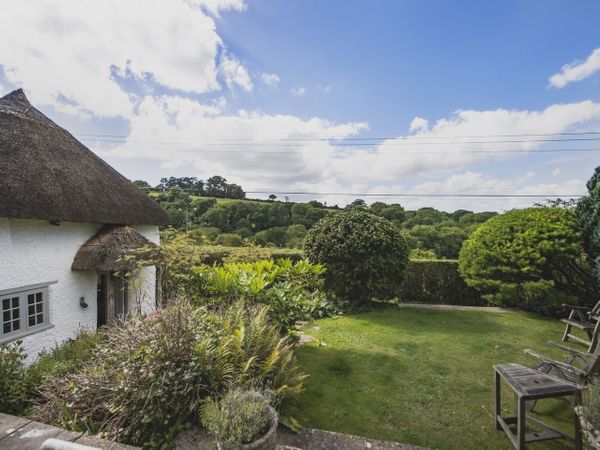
(24, 311)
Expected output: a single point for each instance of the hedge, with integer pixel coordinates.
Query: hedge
(437, 281)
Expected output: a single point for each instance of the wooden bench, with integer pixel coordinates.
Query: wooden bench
(530, 385)
(586, 320)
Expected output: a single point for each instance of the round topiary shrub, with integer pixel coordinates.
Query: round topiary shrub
(529, 258)
(365, 255)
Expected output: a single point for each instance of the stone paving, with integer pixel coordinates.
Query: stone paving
(306, 439)
(19, 433)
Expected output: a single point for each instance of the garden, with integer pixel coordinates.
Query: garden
(248, 338)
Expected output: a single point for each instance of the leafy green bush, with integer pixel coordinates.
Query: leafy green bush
(275, 236)
(529, 258)
(150, 375)
(239, 418)
(14, 385)
(364, 254)
(229, 240)
(292, 291)
(437, 281)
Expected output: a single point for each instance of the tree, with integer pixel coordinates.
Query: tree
(395, 213)
(445, 241)
(216, 186)
(306, 215)
(189, 184)
(377, 207)
(273, 236)
(217, 217)
(200, 205)
(359, 203)
(529, 258)
(426, 216)
(588, 211)
(272, 197)
(142, 185)
(364, 254)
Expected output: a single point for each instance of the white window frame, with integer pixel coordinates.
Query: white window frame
(21, 293)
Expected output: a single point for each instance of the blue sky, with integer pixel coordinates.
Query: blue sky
(199, 87)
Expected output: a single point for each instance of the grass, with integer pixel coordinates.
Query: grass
(422, 377)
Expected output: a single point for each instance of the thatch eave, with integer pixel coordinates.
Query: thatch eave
(108, 250)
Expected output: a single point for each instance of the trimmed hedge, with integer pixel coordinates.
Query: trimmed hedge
(432, 281)
(438, 282)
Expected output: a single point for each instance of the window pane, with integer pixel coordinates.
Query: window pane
(16, 325)
(15, 302)
(6, 316)
(40, 318)
(38, 297)
(30, 299)
(31, 310)
(31, 321)
(5, 303)
(16, 313)
(38, 308)
(6, 327)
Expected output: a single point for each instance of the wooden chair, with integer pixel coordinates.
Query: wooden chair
(578, 367)
(586, 320)
(551, 378)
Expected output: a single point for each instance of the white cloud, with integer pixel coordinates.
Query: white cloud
(577, 70)
(419, 124)
(443, 147)
(194, 136)
(480, 183)
(234, 72)
(299, 91)
(556, 172)
(270, 79)
(71, 54)
(215, 6)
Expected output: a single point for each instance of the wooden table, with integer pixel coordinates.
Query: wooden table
(530, 384)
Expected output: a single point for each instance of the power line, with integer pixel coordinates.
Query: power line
(342, 144)
(399, 194)
(408, 194)
(399, 152)
(374, 138)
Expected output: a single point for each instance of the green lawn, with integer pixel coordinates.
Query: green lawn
(421, 376)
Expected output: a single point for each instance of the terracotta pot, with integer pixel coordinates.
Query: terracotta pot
(267, 442)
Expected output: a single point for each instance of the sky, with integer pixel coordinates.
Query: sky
(340, 99)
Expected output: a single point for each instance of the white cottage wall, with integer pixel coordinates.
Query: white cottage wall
(35, 251)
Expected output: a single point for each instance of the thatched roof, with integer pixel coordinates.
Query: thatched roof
(45, 173)
(107, 249)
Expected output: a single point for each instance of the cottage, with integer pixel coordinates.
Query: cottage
(66, 220)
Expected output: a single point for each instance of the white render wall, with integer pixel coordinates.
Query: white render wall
(34, 251)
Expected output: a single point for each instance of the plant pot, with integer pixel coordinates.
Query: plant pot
(267, 442)
(591, 434)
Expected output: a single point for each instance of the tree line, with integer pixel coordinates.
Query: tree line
(200, 208)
